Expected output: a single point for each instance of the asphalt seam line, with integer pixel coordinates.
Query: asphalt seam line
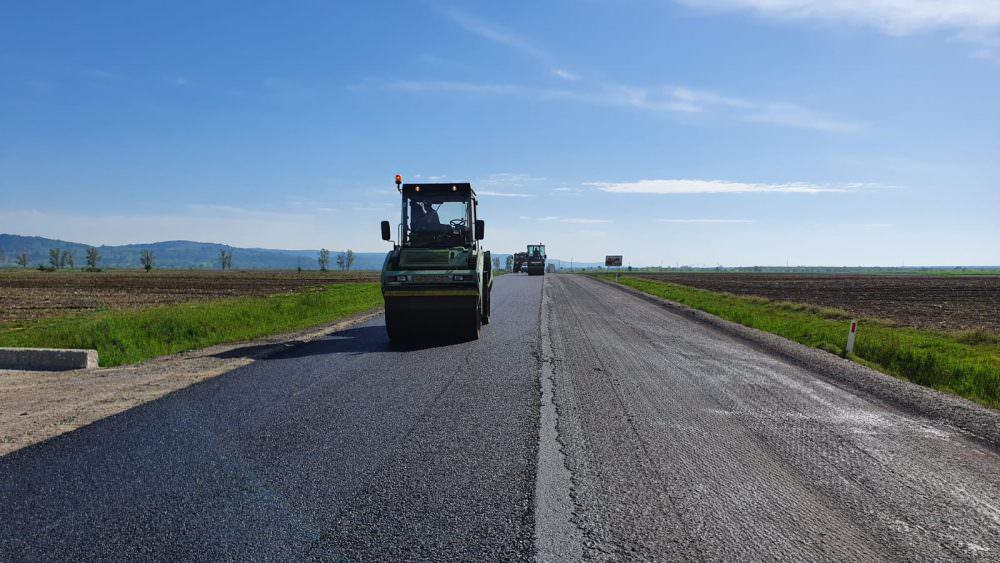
(557, 538)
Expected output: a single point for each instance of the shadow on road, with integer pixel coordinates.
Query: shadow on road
(357, 340)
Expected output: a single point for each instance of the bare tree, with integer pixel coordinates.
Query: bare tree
(341, 260)
(225, 259)
(496, 263)
(349, 259)
(93, 257)
(324, 259)
(67, 259)
(147, 259)
(22, 259)
(55, 258)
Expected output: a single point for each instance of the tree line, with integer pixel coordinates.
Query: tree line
(344, 260)
(61, 259)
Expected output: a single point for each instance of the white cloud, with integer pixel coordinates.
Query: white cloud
(791, 115)
(896, 17)
(685, 186)
(975, 21)
(576, 220)
(661, 99)
(500, 194)
(707, 221)
(497, 34)
(565, 74)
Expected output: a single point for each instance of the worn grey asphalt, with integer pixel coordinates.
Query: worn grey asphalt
(668, 440)
(685, 443)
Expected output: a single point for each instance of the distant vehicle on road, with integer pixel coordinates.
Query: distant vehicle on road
(437, 273)
(520, 259)
(536, 259)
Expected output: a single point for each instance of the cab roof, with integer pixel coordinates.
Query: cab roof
(461, 187)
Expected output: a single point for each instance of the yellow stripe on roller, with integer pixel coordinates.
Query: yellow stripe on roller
(432, 293)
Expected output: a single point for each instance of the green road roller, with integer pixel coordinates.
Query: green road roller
(536, 260)
(437, 277)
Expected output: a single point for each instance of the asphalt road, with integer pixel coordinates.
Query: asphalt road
(343, 448)
(588, 423)
(685, 443)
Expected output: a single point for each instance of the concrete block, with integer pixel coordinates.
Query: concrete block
(47, 359)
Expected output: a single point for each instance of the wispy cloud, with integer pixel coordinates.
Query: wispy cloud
(565, 74)
(667, 100)
(707, 221)
(497, 34)
(791, 115)
(576, 220)
(500, 194)
(686, 186)
(974, 21)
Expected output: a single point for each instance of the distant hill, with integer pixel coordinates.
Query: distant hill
(175, 254)
(181, 254)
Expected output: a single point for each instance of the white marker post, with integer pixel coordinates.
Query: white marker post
(850, 338)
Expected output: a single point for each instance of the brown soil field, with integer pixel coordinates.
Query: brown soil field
(31, 294)
(948, 303)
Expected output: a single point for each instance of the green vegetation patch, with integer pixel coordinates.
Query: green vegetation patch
(124, 337)
(966, 364)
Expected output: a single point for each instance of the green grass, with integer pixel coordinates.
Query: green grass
(125, 337)
(966, 364)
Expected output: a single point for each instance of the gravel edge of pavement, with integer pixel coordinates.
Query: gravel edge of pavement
(74, 403)
(976, 421)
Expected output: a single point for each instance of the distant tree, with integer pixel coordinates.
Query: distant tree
(349, 259)
(67, 259)
(55, 258)
(22, 259)
(3, 257)
(93, 257)
(147, 259)
(298, 264)
(324, 259)
(510, 263)
(341, 260)
(496, 263)
(225, 259)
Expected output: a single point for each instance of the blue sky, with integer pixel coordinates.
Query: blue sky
(703, 132)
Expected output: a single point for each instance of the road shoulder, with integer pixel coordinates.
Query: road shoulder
(36, 406)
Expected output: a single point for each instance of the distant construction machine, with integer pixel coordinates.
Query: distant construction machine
(520, 259)
(536, 259)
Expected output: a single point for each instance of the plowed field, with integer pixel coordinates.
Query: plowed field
(31, 294)
(949, 303)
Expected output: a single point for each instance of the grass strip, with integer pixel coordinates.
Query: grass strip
(964, 364)
(125, 337)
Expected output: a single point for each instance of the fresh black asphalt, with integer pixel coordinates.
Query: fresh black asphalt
(343, 448)
(661, 438)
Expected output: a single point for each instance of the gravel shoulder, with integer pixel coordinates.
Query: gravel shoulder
(37, 405)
